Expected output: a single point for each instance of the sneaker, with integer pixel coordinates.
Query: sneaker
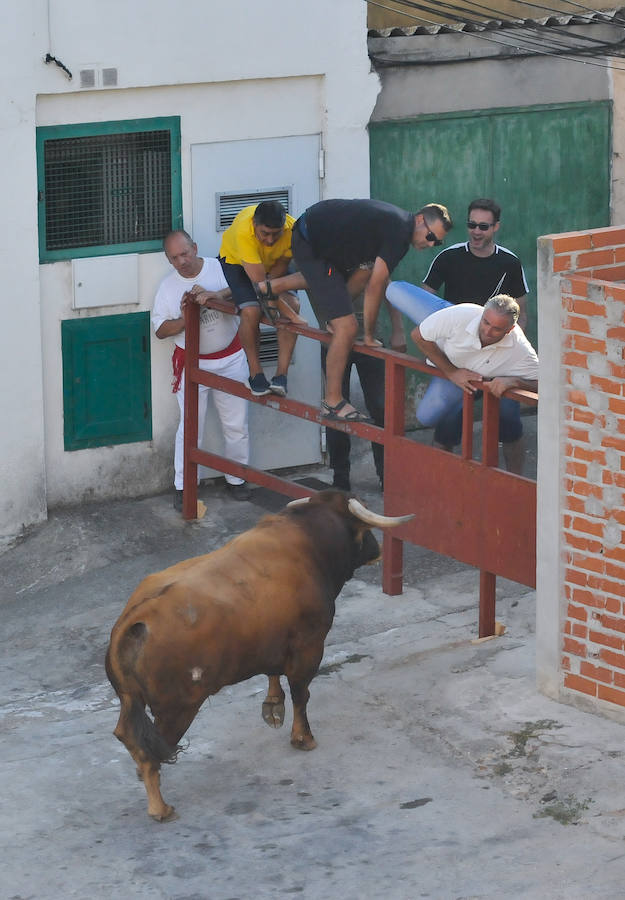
(239, 491)
(277, 385)
(259, 386)
(178, 500)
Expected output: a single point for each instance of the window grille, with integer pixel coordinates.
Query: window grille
(103, 187)
(230, 204)
(268, 350)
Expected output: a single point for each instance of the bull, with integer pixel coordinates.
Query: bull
(261, 604)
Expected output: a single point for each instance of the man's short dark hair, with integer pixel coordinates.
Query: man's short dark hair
(433, 212)
(270, 213)
(486, 204)
(181, 232)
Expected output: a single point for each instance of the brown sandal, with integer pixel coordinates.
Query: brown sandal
(332, 413)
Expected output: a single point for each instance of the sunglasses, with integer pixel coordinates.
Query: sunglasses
(483, 226)
(431, 237)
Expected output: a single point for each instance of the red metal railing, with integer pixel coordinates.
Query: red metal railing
(467, 509)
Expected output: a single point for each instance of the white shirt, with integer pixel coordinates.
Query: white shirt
(455, 330)
(217, 330)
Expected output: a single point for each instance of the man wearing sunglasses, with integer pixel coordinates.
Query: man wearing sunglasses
(479, 268)
(344, 247)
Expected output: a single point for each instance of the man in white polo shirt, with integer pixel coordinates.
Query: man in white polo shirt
(477, 348)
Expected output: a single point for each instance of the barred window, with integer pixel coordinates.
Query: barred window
(108, 187)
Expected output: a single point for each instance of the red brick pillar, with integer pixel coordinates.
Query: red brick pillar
(581, 477)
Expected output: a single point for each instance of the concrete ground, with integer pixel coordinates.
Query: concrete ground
(440, 771)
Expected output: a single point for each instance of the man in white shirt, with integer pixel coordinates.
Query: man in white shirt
(220, 351)
(477, 349)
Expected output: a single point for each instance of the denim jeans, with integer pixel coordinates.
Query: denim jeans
(441, 405)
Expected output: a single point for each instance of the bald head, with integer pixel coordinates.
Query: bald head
(181, 251)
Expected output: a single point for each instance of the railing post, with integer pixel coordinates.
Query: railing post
(490, 430)
(490, 457)
(488, 585)
(191, 358)
(468, 407)
(394, 421)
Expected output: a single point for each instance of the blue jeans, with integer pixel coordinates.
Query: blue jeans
(441, 404)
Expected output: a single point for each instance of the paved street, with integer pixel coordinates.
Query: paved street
(440, 772)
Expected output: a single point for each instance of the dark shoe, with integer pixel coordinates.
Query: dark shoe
(259, 385)
(239, 491)
(277, 385)
(178, 500)
(331, 413)
(341, 483)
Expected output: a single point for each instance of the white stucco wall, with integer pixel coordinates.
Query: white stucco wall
(240, 72)
(22, 471)
(549, 476)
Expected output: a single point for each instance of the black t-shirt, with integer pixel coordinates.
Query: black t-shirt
(348, 233)
(474, 279)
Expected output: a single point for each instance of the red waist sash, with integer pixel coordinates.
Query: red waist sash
(177, 359)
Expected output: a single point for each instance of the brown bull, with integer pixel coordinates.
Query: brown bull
(262, 604)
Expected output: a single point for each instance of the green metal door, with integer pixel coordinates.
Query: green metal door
(548, 167)
(106, 380)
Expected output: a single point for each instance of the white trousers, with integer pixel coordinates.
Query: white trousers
(232, 412)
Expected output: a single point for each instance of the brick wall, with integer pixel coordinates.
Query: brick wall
(586, 267)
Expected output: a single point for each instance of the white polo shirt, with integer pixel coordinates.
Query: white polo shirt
(456, 331)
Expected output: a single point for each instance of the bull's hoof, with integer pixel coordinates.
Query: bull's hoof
(168, 814)
(273, 713)
(303, 742)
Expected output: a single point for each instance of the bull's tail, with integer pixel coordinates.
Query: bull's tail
(134, 723)
(135, 728)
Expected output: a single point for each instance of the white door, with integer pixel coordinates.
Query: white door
(229, 175)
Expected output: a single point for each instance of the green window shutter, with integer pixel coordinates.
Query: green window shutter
(106, 380)
(108, 187)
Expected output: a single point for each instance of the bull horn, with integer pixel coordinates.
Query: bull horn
(370, 518)
(299, 502)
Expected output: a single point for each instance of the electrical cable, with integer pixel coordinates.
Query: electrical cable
(532, 47)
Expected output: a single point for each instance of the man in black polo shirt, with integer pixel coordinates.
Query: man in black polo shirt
(478, 269)
(340, 248)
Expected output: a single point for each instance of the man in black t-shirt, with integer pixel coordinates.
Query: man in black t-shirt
(343, 247)
(478, 269)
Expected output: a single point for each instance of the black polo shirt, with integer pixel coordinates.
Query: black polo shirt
(348, 233)
(474, 279)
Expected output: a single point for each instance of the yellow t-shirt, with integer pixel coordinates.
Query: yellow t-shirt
(239, 243)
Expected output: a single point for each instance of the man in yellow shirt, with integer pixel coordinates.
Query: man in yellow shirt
(257, 247)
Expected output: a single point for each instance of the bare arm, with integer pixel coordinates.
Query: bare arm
(170, 328)
(463, 378)
(503, 383)
(202, 297)
(426, 287)
(374, 293)
(254, 271)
